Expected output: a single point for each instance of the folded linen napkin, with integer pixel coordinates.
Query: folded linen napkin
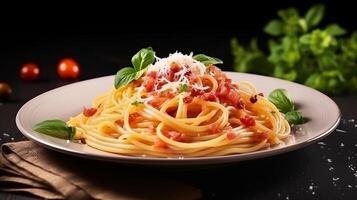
(27, 167)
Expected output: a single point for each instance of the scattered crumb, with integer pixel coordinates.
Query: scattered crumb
(5, 134)
(341, 131)
(349, 186)
(12, 139)
(335, 179)
(351, 120)
(342, 145)
(322, 143)
(329, 160)
(330, 168)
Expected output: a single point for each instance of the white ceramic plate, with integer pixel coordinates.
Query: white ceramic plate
(66, 101)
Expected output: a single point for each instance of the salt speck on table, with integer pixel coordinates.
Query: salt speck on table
(341, 131)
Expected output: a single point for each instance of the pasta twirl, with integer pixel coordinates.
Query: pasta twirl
(180, 107)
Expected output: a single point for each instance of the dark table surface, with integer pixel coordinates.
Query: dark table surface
(325, 170)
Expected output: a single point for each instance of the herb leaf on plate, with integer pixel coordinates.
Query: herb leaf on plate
(140, 61)
(294, 117)
(280, 99)
(55, 128)
(207, 60)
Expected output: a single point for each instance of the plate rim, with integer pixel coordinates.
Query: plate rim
(174, 161)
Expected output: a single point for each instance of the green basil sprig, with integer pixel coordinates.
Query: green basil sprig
(279, 97)
(55, 128)
(140, 62)
(207, 60)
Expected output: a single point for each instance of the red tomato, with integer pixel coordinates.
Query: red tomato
(134, 118)
(152, 74)
(264, 136)
(223, 90)
(188, 99)
(234, 98)
(248, 121)
(214, 128)
(88, 112)
(231, 135)
(173, 69)
(179, 137)
(29, 71)
(149, 84)
(119, 122)
(209, 96)
(68, 69)
(157, 102)
(160, 144)
(218, 74)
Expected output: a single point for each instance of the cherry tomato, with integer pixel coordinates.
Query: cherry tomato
(29, 72)
(68, 68)
(5, 91)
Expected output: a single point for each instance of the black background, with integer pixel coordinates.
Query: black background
(103, 38)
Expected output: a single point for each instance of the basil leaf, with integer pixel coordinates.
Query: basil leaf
(280, 99)
(207, 60)
(140, 61)
(183, 88)
(294, 117)
(314, 15)
(274, 27)
(55, 128)
(143, 59)
(124, 76)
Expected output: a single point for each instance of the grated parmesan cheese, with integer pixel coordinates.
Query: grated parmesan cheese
(187, 64)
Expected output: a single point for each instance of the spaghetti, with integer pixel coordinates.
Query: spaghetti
(180, 107)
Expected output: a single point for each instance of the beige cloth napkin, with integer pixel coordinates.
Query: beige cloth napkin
(27, 167)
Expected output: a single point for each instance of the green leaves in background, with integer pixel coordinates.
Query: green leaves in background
(280, 98)
(314, 15)
(299, 50)
(207, 60)
(274, 27)
(335, 30)
(140, 61)
(55, 128)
